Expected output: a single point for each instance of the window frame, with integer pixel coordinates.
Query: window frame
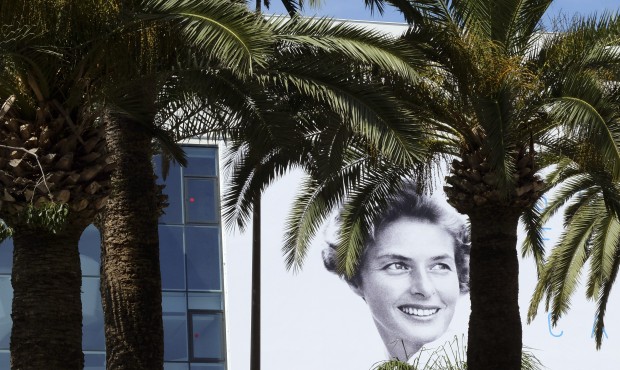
(190, 336)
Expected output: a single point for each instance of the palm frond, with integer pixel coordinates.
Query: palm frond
(533, 244)
(604, 244)
(496, 120)
(601, 308)
(414, 12)
(363, 205)
(515, 21)
(311, 208)
(570, 186)
(355, 43)
(567, 259)
(373, 113)
(583, 120)
(474, 15)
(224, 31)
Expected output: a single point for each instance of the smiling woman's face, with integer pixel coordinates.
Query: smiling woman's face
(409, 280)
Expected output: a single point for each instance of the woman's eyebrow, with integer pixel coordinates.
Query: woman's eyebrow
(392, 256)
(445, 256)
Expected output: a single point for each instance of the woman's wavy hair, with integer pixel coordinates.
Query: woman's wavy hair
(408, 203)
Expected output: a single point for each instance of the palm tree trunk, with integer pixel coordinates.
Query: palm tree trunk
(256, 288)
(495, 333)
(47, 307)
(130, 274)
(256, 274)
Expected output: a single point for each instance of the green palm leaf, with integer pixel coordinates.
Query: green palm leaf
(355, 43)
(223, 31)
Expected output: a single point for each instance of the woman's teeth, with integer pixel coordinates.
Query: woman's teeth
(419, 311)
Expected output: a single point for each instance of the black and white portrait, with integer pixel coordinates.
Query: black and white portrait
(413, 270)
(409, 297)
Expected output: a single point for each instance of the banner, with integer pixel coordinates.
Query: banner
(316, 320)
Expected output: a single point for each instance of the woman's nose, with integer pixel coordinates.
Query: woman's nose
(421, 284)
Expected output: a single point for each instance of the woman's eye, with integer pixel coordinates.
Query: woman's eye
(441, 267)
(396, 266)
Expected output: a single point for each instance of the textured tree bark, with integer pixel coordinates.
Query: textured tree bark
(495, 332)
(47, 306)
(130, 274)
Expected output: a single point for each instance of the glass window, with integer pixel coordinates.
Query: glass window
(171, 257)
(6, 300)
(203, 258)
(207, 336)
(175, 366)
(205, 301)
(173, 214)
(200, 200)
(5, 360)
(94, 361)
(6, 256)
(201, 161)
(93, 338)
(207, 367)
(175, 326)
(90, 251)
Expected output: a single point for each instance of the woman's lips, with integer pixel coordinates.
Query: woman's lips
(418, 311)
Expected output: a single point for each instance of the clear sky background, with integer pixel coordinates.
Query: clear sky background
(355, 9)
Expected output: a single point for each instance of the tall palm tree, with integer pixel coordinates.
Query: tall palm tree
(55, 172)
(495, 94)
(255, 319)
(62, 91)
(255, 332)
(179, 42)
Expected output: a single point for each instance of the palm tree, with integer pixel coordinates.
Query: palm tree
(255, 320)
(122, 289)
(62, 92)
(55, 173)
(189, 41)
(255, 332)
(495, 94)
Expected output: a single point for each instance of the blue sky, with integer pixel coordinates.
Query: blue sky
(354, 9)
